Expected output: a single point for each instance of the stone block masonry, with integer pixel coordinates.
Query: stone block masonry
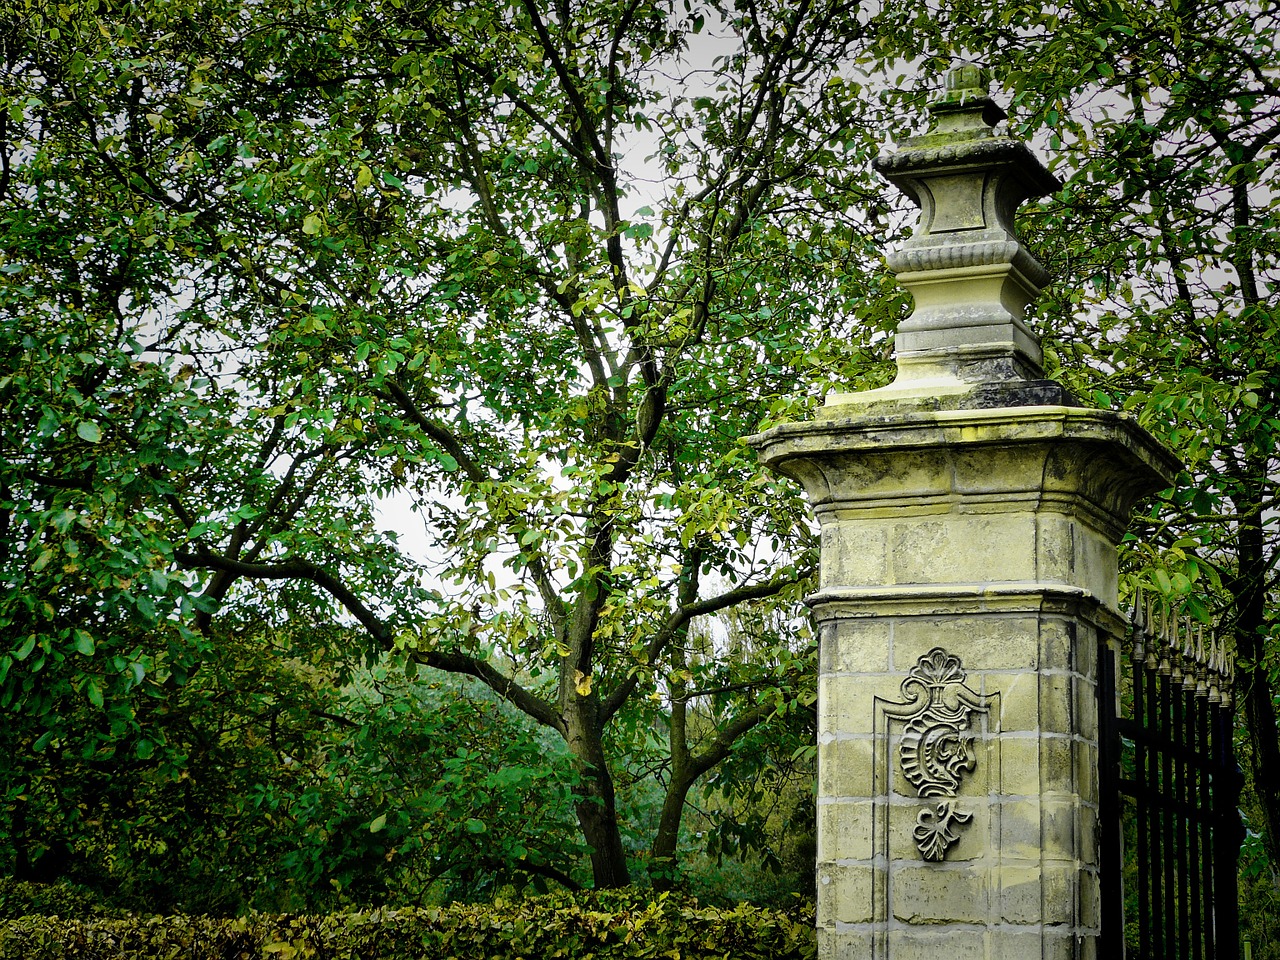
(969, 516)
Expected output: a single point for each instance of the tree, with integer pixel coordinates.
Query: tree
(269, 262)
(1163, 120)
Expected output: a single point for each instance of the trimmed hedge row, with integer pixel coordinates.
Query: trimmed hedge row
(19, 898)
(604, 926)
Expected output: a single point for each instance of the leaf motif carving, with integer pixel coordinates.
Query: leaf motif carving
(935, 828)
(936, 751)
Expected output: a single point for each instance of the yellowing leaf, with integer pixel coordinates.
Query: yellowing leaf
(582, 683)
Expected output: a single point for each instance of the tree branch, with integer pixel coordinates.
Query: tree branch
(680, 617)
(482, 670)
(446, 439)
(721, 746)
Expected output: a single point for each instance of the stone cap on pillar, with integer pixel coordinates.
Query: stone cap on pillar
(967, 343)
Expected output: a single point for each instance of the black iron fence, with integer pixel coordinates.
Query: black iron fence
(1169, 822)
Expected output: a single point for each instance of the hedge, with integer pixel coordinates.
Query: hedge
(19, 898)
(605, 926)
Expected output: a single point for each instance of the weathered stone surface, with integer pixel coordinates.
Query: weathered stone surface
(969, 516)
(989, 534)
(1087, 466)
(848, 894)
(845, 829)
(856, 646)
(971, 278)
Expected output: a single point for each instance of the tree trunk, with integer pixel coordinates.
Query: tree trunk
(1253, 685)
(594, 804)
(663, 851)
(662, 854)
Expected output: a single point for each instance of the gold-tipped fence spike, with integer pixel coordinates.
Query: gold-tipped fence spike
(1189, 655)
(1151, 661)
(1166, 665)
(1175, 650)
(1225, 666)
(1176, 646)
(1138, 622)
(1202, 670)
(1137, 653)
(1215, 687)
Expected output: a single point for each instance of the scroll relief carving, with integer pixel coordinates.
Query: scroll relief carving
(936, 750)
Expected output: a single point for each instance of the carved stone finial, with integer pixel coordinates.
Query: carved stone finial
(965, 102)
(964, 81)
(972, 279)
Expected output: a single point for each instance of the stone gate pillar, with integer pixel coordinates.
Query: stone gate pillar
(969, 513)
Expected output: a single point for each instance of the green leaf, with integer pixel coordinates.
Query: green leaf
(62, 520)
(89, 431)
(83, 642)
(378, 824)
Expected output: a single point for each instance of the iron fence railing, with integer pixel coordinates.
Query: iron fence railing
(1170, 826)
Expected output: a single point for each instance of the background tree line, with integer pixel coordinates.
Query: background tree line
(537, 267)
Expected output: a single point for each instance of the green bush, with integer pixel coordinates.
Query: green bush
(21, 899)
(604, 926)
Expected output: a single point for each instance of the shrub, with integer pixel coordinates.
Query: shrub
(604, 926)
(19, 898)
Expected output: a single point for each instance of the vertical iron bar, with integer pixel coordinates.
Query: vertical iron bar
(1208, 776)
(1227, 835)
(1181, 819)
(1195, 747)
(1168, 851)
(1110, 820)
(1144, 831)
(1156, 836)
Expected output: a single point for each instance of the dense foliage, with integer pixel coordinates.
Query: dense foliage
(268, 263)
(258, 785)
